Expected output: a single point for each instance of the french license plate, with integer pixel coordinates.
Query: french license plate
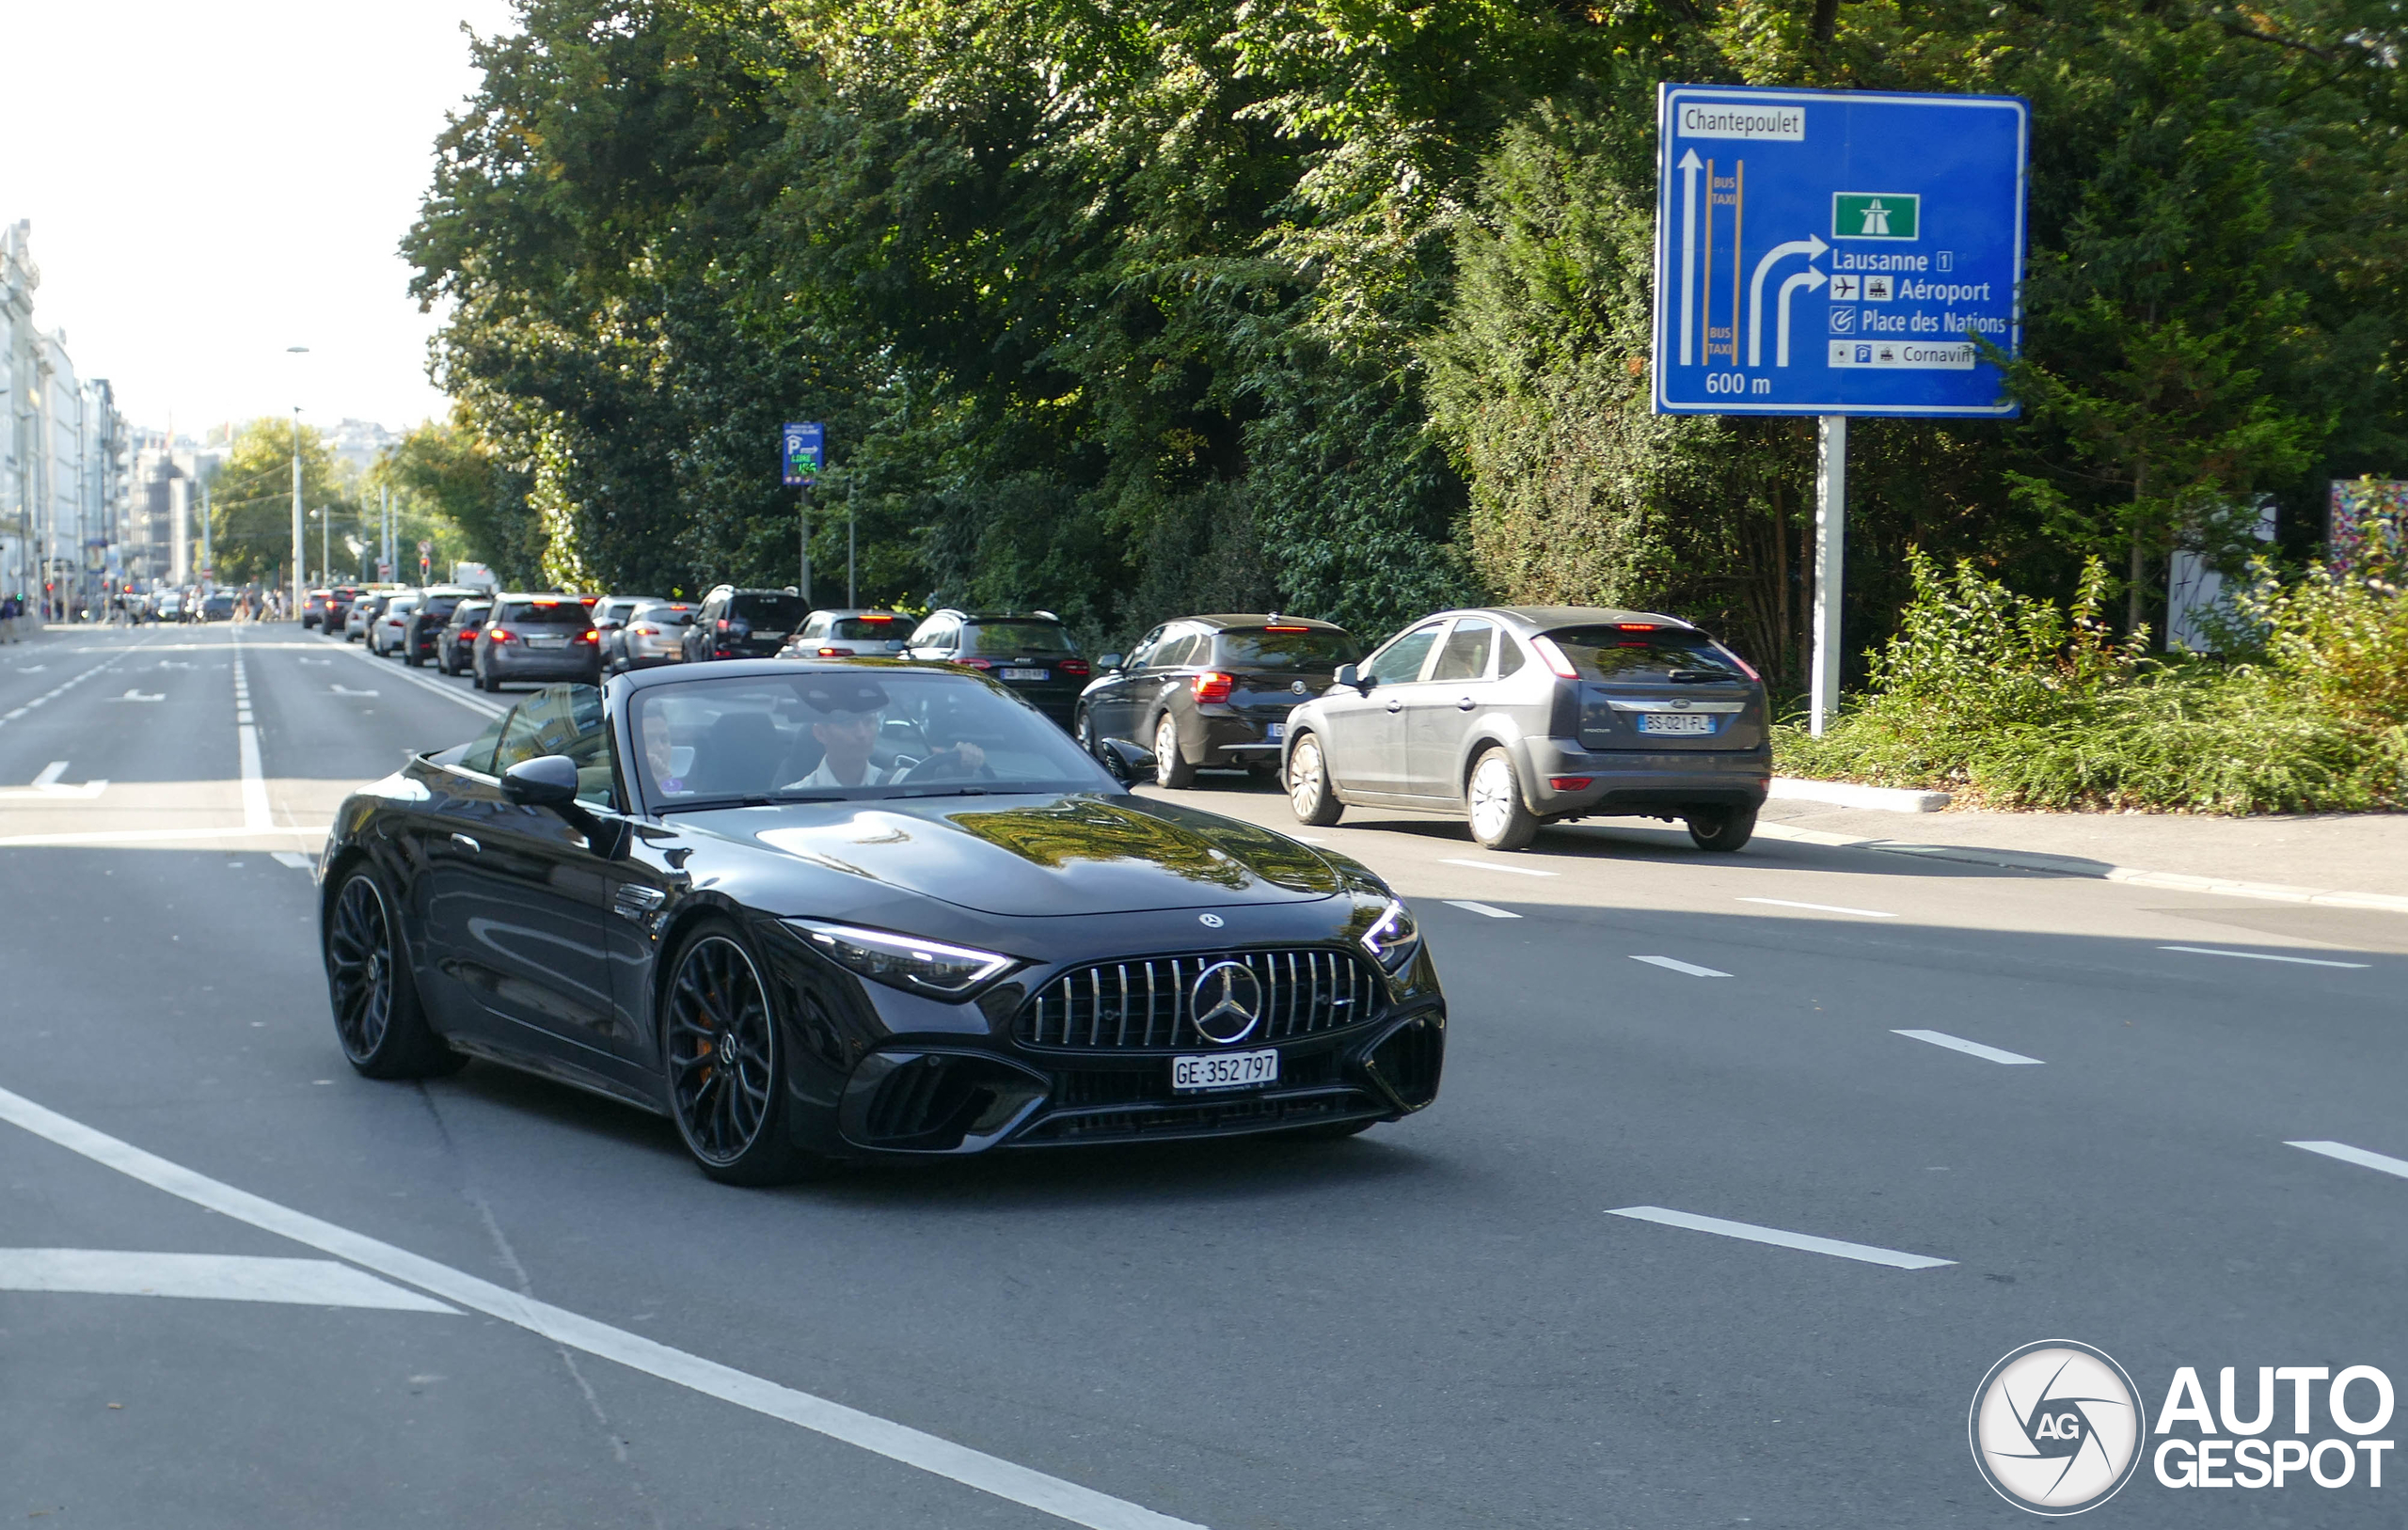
(1677, 722)
(1224, 1070)
(1024, 674)
(1279, 731)
(545, 642)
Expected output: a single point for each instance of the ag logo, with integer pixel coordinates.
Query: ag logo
(2056, 1428)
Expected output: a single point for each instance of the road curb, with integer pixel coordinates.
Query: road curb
(1847, 793)
(2097, 870)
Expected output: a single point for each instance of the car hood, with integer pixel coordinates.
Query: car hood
(1053, 854)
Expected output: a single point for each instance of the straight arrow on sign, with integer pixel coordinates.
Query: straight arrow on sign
(1690, 165)
(1812, 247)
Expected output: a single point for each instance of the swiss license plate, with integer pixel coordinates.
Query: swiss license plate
(1024, 674)
(1279, 731)
(1224, 1070)
(1677, 722)
(545, 642)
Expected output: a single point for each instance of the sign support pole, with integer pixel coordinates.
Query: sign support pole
(852, 539)
(803, 496)
(1830, 560)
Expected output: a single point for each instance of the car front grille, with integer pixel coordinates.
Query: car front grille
(1147, 1004)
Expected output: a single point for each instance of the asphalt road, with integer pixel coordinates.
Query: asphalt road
(1442, 1323)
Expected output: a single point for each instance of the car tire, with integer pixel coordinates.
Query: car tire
(1082, 730)
(1501, 819)
(1171, 769)
(373, 990)
(1721, 829)
(1309, 790)
(715, 1004)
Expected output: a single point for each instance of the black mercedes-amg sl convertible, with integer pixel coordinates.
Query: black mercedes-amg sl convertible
(863, 909)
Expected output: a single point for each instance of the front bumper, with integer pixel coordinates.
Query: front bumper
(1637, 782)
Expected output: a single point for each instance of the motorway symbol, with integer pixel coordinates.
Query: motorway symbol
(1829, 191)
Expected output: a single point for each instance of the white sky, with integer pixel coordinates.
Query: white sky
(211, 182)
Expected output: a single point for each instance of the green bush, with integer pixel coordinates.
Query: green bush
(2015, 701)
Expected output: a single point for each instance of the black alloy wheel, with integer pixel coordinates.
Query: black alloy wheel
(725, 1070)
(377, 1017)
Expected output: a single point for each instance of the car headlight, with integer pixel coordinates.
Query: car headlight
(905, 961)
(1395, 938)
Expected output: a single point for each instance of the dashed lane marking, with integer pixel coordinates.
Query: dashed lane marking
(1971, 1049)
(1491, 865)
(1469, 907)
(2262, 956)
(1864, 1253)
(1017, 1484)
(1822, 907)
(1674, 964)
(212, 1277)
(2358, 1156)
(294, 859)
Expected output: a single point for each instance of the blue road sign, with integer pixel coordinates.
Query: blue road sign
(1834, 252)
(804, 452)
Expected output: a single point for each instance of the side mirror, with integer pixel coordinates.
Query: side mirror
(547, 781)
(1129, 762)
(1348, 675)
(1110, 663)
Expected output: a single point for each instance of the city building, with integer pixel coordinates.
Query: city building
(65, 456)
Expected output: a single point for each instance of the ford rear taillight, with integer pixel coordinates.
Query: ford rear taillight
(1213, 685)
(1553, 659)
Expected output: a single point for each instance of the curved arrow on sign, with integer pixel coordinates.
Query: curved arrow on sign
(1811, 246)
(1812, 280)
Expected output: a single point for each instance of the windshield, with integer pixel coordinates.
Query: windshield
(1658, 653)
(849, 735)
(1292, 647)
(559, 613)
(1005, 640)
(869, 628)
(769, 613)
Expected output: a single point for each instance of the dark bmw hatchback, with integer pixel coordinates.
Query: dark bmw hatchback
(742, 624)
(1208, 692)
(1032, 655)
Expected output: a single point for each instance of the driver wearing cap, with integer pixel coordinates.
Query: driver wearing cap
(852, 707)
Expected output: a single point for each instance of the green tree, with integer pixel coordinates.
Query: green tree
(250, 500)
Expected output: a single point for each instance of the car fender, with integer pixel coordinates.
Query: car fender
(1493, 729)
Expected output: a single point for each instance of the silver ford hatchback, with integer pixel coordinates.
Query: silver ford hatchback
(1517, 716)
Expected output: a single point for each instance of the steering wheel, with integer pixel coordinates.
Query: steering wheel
(945, 764)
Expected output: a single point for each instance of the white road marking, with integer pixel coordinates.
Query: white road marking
(55, 691)
(1774, 1235)
(1469, 907)
(256, 812)
(136, 694)
(1005, 1479)
(1673, 965)
(468, 699)
(1822, 907)
(50, 773)
(31, 669)
(213, 1277)
(2262, 957)
(2358, 1156)
(1491, 865)
(1972, 1048)
(47, 785)
(317, 661)
(294, 859)
(1308, 839)
(137, 836)
(341, 689)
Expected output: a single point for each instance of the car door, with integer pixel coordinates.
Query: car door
(1154, 689)
(1438, 711)
(1112, 707)
(519, 898)
(1365, 747)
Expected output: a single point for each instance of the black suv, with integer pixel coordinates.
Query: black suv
(1211, 690)
(1031, 652)
(422, 635)
(743, 624)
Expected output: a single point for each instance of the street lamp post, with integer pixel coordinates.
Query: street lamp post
(300, 591)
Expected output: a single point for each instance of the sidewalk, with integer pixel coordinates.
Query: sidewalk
(2340, 853)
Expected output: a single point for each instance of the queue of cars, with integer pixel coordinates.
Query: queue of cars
(1512, 717)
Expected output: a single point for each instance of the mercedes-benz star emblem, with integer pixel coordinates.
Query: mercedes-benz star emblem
(1226, 1003)
(1211, 922)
